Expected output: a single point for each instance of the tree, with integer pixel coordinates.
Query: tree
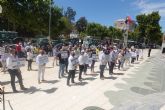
(149, 28)
(30, 17)
(70, 14)
(81, 24)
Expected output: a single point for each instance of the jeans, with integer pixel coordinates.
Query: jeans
(102, 67)
(133, 60)
(92, 65)
(15, 73)
(85, 68)
(61, 70)
(81, 68)
(30, 64)
(112, 64)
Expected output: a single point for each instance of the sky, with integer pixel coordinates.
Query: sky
(106, 12)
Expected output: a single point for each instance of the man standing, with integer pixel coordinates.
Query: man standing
(14, 70)
(41, 60)
(103, 58)
(72, 61)
(112, 60)
(81, 60)
(63, 57)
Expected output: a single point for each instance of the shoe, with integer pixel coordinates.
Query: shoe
(80, 79)
(23, 88)
(73, 82)
(102, 78)
(15, 91)
(43, 80)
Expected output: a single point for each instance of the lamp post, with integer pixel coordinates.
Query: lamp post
(50, 15)
(0, 9)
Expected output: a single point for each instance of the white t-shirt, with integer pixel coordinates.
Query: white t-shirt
(72, 61)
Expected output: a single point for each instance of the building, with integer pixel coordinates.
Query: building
(120, 24)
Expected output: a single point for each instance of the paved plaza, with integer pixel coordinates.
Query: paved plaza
(140, 87)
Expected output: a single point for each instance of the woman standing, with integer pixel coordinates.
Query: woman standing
(29, 59)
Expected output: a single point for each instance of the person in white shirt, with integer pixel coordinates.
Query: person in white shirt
(133, 56)
(29, 59)
(137, 54)
(81, 60)
(41, 65)
(72, 62)
(103, 58)
(14, 70)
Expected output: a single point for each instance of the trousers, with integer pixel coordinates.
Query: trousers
(15, 73)
(41, 72)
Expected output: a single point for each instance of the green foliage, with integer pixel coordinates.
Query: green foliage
(81, 24)
(70, 14)
(31, 17)
(149, 28)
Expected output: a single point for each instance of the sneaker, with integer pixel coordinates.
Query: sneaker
(15, 91)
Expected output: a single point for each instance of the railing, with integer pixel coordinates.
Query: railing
(2, 97)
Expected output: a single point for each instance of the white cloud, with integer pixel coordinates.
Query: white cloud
(147, 6)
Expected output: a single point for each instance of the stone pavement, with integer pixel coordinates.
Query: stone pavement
(143, 79)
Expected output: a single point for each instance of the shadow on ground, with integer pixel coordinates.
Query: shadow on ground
(149, 79)
(93, 108)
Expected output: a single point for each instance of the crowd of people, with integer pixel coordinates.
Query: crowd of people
(69, 58)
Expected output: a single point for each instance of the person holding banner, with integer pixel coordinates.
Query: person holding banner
(72, 62)
(62, 56)
(41, 60)
(12, 63)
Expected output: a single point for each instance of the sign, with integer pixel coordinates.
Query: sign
(64, 54)
(2, 50)
(19, 62)
(34, 57)
(94, 56)
(74, 61)
(90, 61)
(4, 57)
(43, 59)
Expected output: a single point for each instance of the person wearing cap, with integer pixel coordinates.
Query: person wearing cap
(72, 62)
(41, 65)
(81, 64)
(14, 70)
